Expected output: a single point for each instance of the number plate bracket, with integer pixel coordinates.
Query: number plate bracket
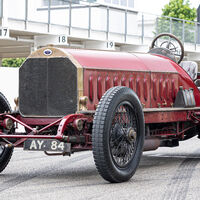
(47, 145)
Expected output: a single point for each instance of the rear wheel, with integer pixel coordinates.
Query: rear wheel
(5, 152)
(118, 134)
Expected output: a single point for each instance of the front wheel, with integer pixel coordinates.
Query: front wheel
(118, 134)
(5, 152)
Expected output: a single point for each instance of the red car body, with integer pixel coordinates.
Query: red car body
(155, 79)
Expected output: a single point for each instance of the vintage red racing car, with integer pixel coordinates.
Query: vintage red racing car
(117, 104)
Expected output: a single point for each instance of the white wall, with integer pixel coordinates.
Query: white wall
(9, 82)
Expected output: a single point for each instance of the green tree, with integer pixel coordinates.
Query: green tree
(179, 9)
(12, 62)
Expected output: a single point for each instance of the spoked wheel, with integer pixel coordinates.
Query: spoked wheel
(123, 135)
(5, 156)
(118, 134)
(5, 152)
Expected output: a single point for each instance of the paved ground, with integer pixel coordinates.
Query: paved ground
(163, 174)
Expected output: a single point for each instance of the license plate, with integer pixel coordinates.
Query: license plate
(46, 145)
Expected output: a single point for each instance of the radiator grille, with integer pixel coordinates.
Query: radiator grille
(47, 87)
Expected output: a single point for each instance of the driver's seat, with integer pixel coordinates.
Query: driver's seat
(191, 68)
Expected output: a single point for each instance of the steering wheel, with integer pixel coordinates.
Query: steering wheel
(169, 42)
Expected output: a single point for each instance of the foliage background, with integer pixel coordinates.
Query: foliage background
(12, 62)
(178, 9)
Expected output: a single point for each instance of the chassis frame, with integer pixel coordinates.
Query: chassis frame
(83, 141)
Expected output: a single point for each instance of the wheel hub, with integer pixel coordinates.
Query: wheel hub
(131, 134)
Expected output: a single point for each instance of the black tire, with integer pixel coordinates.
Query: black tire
(5, 152)
(111, 134)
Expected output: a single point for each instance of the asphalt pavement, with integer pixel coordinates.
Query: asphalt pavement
(164, 174)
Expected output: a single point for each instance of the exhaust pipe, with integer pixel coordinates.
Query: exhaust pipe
(151, 144)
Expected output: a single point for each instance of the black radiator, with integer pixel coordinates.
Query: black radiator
(47, 87)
